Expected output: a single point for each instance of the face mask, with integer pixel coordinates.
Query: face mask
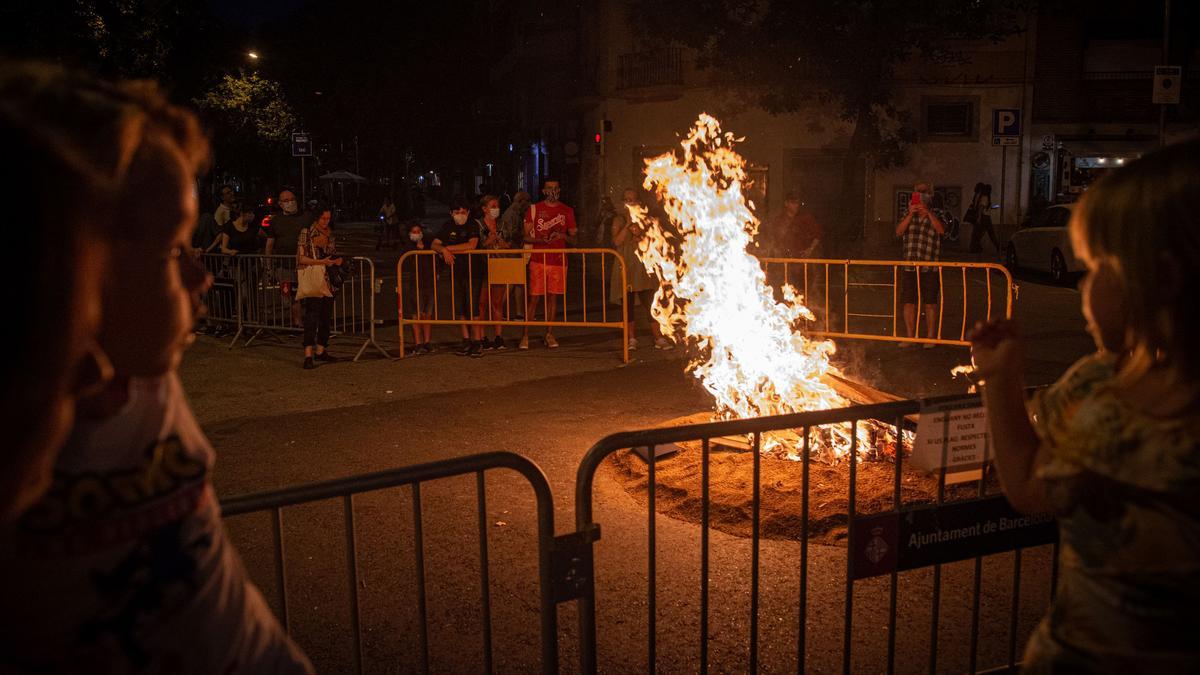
(289, 206)
(494, 213)
(460, 219)
(416, 236)
(551, 195)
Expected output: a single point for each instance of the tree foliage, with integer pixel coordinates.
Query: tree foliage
(250, 107)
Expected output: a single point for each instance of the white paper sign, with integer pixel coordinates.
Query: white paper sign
(951, 435)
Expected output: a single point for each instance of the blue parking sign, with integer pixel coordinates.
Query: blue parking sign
(1006, 121)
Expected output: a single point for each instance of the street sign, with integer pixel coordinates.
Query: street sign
(1006, 126)
(301, 145)
(1167, 81)
(952, 436)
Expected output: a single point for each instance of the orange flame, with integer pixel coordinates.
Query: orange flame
(753, 356)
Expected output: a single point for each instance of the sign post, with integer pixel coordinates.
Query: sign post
(302, 147)
(1167, 80)
(1006, 131)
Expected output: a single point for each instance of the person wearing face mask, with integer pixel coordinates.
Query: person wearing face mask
(921, 232)
(491, 299)
(418, 279)
(466, 272)
(549, 225)
(283, 238)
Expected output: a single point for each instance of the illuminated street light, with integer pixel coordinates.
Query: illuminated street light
(253, 55)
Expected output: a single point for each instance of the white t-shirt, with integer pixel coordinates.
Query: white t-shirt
(125, 566)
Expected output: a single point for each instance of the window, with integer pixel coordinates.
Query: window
(949, 118)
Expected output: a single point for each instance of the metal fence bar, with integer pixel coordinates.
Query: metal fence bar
(352, 581)
(529, 318)
(344, 488)
(704, 478)
(851, 267)
(485, 596)
(419, 566)
(803, 634)
(280, 568)
(1015, 611)
(755, 507)
(894, 580)
(848, 626)
(652, 592)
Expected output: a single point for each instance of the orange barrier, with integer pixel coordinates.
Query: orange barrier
(840, 292)
(432, 288)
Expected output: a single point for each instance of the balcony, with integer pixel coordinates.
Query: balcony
(650, 69)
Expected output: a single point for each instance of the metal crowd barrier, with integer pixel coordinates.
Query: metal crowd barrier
(347, 488)
(255, 294)
(891, 415)
(579, 306)
(861, 298)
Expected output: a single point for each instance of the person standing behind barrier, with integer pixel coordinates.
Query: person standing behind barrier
(419, 285)
(124, 564)
(493, 297)
(458, 235)
(638, 284)
(549, 225)
(388, 223)
(316, 247)
(795, 232)
(1112, 449)
(981, 222)
(512, 223)
(283, 236)
(921, 232)
(239, 236)
(228, 197)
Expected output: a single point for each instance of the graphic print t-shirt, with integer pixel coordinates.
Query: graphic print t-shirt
(124, 565)
(548, 220)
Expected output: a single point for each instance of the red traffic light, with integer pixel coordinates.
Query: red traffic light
(598, 137)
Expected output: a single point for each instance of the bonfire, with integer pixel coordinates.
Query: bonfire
(751, 350)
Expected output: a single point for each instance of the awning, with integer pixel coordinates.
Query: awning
(343, 177)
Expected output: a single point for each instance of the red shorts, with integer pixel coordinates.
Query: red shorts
(543, 276)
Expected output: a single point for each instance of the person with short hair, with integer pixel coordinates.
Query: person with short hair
(239, 236)
(795, 231)
(921, 232)
(123, 563)
(283, 237)
(457, 236)
(549, 226)
(228, 197)
(493, 296)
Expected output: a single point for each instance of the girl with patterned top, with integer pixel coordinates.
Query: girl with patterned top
(1113, 448)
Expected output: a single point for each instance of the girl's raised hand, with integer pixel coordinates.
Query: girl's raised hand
(996, 349)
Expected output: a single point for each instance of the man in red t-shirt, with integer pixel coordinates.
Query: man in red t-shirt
(549, 224)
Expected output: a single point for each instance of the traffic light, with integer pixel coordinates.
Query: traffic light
(599, 142)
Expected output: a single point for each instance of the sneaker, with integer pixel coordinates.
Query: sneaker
(476, 351)
(308, 363)
(524, 343)
(663, 344)
(428, 348)
(465, 348)
(326, 357)
(633, 344)
(551, 342)
(498, 343)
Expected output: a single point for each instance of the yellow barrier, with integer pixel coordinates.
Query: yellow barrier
(416, 270)
(821, 281)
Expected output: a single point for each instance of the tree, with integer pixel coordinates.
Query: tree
(784, 54)
(245, 112)
(251, 107)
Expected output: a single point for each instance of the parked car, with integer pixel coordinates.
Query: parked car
(1044, 244)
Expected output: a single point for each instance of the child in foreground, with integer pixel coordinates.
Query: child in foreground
(123, 564)
(1113, 447)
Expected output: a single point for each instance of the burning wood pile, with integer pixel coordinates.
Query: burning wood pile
(752, 353)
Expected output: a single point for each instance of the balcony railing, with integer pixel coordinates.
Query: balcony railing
(650, 69)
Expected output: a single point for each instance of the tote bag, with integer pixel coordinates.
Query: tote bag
(311, 279)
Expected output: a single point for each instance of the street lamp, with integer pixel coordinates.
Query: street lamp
(252, 55)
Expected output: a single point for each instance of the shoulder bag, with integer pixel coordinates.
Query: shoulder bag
(312, 280)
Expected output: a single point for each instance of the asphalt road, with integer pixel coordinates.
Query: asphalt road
(276, 425)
